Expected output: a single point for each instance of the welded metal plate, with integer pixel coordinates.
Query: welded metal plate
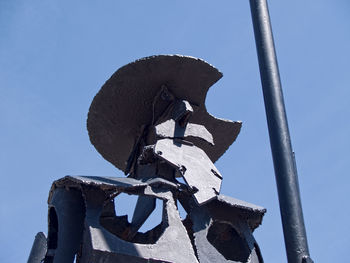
(222, 231)
(227, 208)
(195, 166)
(170, 129)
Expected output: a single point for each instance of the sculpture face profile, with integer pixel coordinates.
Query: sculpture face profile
(149, 120)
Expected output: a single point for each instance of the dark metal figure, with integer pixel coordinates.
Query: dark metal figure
(149, 120)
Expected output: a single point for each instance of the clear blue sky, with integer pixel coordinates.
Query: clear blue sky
(55, 55)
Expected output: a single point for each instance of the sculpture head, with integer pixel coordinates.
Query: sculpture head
(140, 95)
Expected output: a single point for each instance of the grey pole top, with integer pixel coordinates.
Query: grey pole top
(283, 156)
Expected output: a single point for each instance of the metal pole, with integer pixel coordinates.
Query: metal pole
(282, 154)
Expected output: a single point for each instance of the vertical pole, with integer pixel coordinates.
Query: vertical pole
(282, 154)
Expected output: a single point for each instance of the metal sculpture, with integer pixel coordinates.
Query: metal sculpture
(149, 120)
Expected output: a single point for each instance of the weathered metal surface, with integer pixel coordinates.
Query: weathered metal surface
(218, 231)
(170, 129)
(224, 206)
(100, 245)
(282, 153)
(39, 249)
(194, 165)
(222, 230)
(125, 103)
(227, 240)
(158, 134)
(66, 223)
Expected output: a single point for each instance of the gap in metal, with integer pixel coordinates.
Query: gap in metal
(154, 219)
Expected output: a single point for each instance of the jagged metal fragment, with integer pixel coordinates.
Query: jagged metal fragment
(171, 129)
(98, 241)
(224, 206)
(144, 207)
(195, 166)
(219, 230)
(223, 231)
(39, 248)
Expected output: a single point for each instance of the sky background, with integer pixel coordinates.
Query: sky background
(55, 56)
